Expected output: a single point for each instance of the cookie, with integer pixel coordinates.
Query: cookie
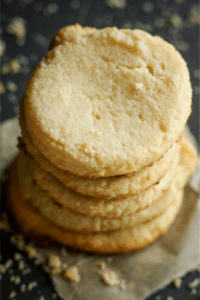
(67, 219)
(103, 208)
(90, 206)
(109, 187)
(108, 103)
(32, 224)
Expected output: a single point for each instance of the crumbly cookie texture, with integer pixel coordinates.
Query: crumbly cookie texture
(119, 100)
(118, 241)
(53, 210)
(109, 187)
(72, 273)
(67, 219)
(103, 208)
(68, 33)
(34, 225)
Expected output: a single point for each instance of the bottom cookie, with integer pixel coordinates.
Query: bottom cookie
(34, 225)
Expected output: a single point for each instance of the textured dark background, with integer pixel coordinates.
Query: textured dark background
(174, 20)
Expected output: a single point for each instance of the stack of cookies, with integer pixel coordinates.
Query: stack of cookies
(104, 160)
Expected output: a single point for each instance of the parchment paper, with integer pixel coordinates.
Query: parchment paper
(145, 271)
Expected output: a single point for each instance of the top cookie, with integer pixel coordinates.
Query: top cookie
(107, 102)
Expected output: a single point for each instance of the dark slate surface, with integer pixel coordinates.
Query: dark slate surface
(174, 20)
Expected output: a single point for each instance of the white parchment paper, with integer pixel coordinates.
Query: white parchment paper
(145, 271)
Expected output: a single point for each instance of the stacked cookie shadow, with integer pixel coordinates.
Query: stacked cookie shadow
(102, 203)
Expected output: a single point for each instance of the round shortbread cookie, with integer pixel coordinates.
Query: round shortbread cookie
(67, 219)
(89, 206)
(32, 224)
(109, 187)
(108, 102)
(103, 208)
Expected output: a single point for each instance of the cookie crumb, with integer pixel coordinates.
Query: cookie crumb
(8, 264)
(12, 295)
(72, 273)
(194, 283)
(17, 280)
(11, 86)
(17, 256)
(53, 296)
(193, 292)
(32, 285)
(177, 282)
(2, 47)
(2, 269)
(194, 16)
(14, 65)
(17, 27)
(26, 271)
(21, 265)
(116, 3)
(109, 277)
(170, 298)
(32, 253)
(176, 21)
(23, 288)
(55, 264)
